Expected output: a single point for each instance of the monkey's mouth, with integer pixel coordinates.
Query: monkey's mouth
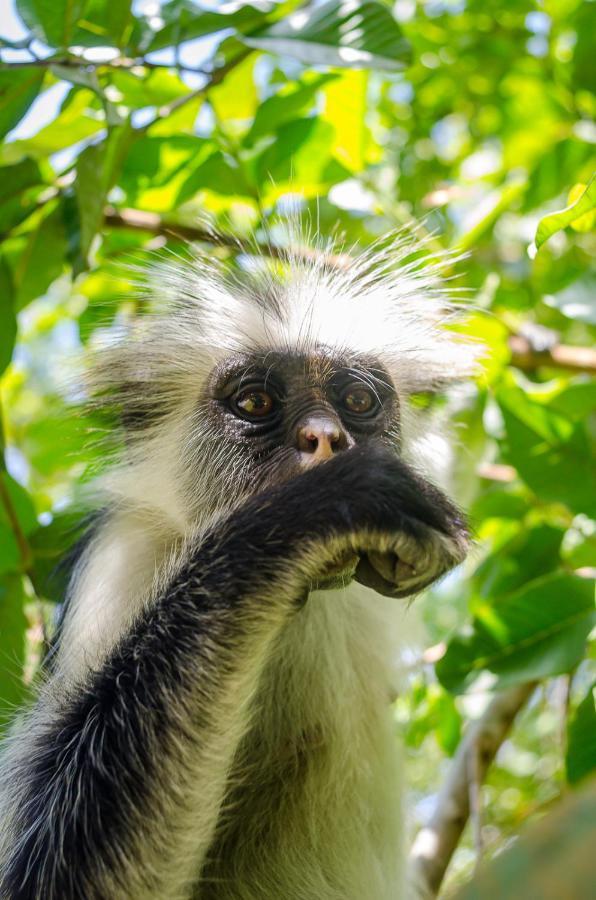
(385, 573)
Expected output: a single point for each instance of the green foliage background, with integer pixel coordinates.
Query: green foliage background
(124, 125)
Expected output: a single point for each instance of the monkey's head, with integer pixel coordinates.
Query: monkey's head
(237, 380)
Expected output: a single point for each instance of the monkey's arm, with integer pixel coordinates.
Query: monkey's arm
(112, 789)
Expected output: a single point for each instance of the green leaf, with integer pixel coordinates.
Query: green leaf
(52, 21)
(50, 545)
(549, 225)
(104, 23)
(184, 21)
(581, 739)
(578, 301)
(550, 452)
(17, 200)
(8, 319)
(18, 90)
(351, 34)
(98, 168)
(537, 632)
(293, 99)
(552, 860)
(41, 258)
(71, 125)
(13, 625)
(22, 505)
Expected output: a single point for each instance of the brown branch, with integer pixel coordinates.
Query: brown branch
(560, 356)
(436, 842)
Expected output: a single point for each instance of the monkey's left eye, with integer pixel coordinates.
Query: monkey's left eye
(360, 401)
(254, 403)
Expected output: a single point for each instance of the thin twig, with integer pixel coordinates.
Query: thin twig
(436, 843)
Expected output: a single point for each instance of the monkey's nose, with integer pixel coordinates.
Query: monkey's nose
(319, 438)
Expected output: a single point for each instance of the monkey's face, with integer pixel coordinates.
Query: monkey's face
(276, 414)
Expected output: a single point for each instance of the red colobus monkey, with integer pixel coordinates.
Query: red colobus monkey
(215, 719)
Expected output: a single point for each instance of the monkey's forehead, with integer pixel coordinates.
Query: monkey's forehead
(319, 366)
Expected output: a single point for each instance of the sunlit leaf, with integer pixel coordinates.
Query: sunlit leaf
(584, 205)
(338, 34)
(537, 632)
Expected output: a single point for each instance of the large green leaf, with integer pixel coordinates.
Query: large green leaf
(98, 168)
(20, 185)
(536, 632)
(184, 21)
(40, 258)
(550, 452)
(18, 90)
(104, 23)
(338, 34)
(581, 741)
(13, 625)
(52, 21)
(294, 99)
(8, 319)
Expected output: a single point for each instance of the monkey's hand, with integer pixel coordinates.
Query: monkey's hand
(364, 512)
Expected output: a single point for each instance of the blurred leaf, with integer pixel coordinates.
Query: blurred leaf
(52, 21)
(293, 99)
(346, 109)
(98, 168)
(537, 632)
(8, 319)
(184, 21)
(532, 552)
(584, 205)
(581, 741)
(104, 23)
(578, 301)
(21, 503)
(338, 34)
(12, 645)
(552, 860)
(236, 97)
(551, 452)
(72, 124)
(41, 258)
(16, 200)
(50, 546)
(18, 90)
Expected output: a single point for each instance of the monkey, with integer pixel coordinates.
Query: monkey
(214, 722)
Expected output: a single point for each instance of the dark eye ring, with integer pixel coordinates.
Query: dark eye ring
(360, 401)
(253, 403)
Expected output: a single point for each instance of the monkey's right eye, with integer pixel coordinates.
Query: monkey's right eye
(253, 403)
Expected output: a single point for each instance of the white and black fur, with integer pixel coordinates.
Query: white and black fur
(212, 725)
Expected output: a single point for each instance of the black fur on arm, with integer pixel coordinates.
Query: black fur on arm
(106, 796)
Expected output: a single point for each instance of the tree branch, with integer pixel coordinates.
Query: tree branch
(435, 844)
(560, 356)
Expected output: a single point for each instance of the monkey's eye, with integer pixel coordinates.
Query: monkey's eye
(253, 403)
(360, 401)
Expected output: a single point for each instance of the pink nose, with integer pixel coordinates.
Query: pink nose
(319, 438)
